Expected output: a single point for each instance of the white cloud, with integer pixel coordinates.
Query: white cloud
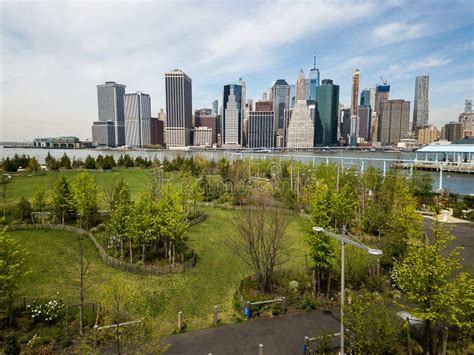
(393, 32)
(422, 65)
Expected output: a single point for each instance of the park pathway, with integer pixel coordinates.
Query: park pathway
(280, 335)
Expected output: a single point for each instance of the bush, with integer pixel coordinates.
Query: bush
(48, 312)
(11, 346)
(309, 303)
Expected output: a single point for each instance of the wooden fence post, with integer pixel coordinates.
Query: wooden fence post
(180, 320)
(216, 315)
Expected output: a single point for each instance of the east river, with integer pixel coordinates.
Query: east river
(454, 182)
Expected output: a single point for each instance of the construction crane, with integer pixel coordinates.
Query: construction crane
(383, 81)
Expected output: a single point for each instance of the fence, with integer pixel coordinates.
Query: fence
(110, 260)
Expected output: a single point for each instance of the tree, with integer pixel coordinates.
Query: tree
(320, 245)
(39, 203)
(143, 222)
(23, 209)
(373, 328)
(85, 196)
(430, 278)
(12, 269)
(89, 163)
(65, 162)
(121, 214)
(62, 198)
(5, 180)
(261, 237)
(223, 167)
(33, 165)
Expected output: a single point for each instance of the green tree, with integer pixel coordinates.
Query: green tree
(12, 269)
(430, 278)
(121, 215)
(65, 162)
(223, 167)
(23, 209)
(33, 165)
(62, 199)
(144, 222)
(89, 163)
(85, 196)
(320, 246)
(373, 328)
(39, 203)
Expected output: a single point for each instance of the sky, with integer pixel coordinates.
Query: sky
(53, 54)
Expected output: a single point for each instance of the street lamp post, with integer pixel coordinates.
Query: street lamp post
(344, 241)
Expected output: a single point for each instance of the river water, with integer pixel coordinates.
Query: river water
(456, 183)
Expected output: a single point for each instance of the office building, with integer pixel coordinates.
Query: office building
(427, 134)
(345, 126)
(210, 121)
(421, 102)
(300, 86)
(261, 133)
(157, 131)
(110, 100)
(365, 114)
(179, 114)
(203, 136)
(292, 95)
(300, 131)
(287, 118)
(354, 131)
(313, 80)
(232, 127)
(327, 113)
(355, 92)
(467, 120)
(453, 131)
(103, 134)
(281, 100)
(137, 119)
(382, 93)
(265, 96)
(215, 107)
(264, 106)
(365, 97)
(467, 106)
(394, 117)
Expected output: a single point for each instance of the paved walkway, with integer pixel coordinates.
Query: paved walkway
(279, 336)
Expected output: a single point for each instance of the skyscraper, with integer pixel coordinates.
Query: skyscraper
(453, 131)
(345, 127)
(300, 86)
(215, 107)
(314, 80)
(281, 100)
(355, 92)
(467, 106)
(110, 99)
(179, 114)
(394, 117)
(232, 115)
(327, 113)
(382, 93)
(365, 97)
(421, 102)
(260, 129)
(137, 119)
(364, 122)
(300, 132)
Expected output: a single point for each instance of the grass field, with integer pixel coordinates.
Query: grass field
(26, 185)
(213, 281)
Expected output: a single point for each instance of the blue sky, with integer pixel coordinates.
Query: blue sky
(53, 54)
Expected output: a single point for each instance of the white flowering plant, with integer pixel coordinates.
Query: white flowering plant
(45, 312)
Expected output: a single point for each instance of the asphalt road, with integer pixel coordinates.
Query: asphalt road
(464, 233)
(279, 336)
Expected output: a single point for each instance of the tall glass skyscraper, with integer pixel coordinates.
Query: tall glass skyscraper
(365, 98)
(232, 125)
(313, 80)
(327, 112)
(281, 100)
(137, 119)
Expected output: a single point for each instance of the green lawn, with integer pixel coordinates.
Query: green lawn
(25, 185)
(213, 281)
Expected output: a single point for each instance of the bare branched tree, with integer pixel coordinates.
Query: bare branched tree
(261, 236)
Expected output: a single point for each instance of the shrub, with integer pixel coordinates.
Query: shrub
(48, 312)
(11, 346)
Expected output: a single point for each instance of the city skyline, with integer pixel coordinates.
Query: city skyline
(53, 57)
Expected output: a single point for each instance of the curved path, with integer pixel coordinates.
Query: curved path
(279, 336)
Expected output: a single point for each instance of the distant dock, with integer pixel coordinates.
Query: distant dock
(452, 167)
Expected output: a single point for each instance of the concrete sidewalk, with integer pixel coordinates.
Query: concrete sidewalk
(280, 335)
